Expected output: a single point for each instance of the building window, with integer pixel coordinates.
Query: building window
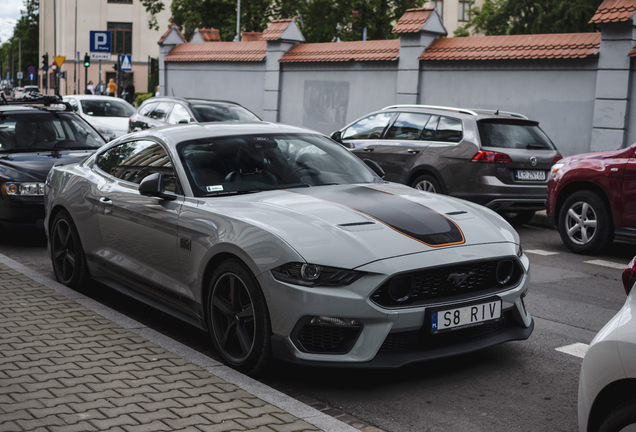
(439, 4)
(122, 37)
(120, 1)
(464, 7)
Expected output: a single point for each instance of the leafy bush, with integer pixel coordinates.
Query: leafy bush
(141, 97)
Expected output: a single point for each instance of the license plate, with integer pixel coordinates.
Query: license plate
(465, 316)
(533, 175)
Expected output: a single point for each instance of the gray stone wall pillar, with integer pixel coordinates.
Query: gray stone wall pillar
(163, 71)
(272, 85)
(611, 102)
(408, 80)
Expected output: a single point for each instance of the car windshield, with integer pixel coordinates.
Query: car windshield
(45, 130)
(110, 107)
(216, 113)
(513, 134)
(252, 163)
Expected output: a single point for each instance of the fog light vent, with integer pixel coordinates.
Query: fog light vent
(505, 270)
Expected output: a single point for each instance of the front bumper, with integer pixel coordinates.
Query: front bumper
(397, 336)
(21, 212)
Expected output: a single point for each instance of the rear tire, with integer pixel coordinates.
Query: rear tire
(585, 223)
(238, 318)
(69, 260)
(427, 183)
(623, 416)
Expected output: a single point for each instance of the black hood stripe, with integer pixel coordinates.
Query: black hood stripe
(407, 217)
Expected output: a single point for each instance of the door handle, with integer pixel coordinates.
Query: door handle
(368, 149)
(106, 201)
(412, 151)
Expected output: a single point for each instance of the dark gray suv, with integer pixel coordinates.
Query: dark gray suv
(494, 158)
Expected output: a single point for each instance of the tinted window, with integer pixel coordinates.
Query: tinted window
(368, 128)
(135, 160)
(269, 161)
(449, 130)
(513, 134)
(216, 113)
(106, 108)
(46, 131)
(161, 111)
(408, 126)
(179, 112)
(429, 130)
(147, 109)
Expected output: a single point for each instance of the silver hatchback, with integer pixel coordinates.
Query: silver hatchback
(494, 158)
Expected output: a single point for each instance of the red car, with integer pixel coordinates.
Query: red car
(592, 198)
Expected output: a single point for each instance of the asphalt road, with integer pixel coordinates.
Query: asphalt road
(518, 386)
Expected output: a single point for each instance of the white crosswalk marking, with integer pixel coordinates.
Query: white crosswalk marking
(541, 252)
(609, 264)
(576, 349)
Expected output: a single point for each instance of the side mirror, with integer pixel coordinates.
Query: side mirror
(375, 167)
(184, 121)
(152, 185)
(337, 136)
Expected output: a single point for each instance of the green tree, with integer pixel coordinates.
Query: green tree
(510, 17)
(27, 31)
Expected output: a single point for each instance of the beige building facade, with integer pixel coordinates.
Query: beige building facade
(454, 13)
(65, 27)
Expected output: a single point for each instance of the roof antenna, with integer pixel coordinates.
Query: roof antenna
(496, 112)
(172, 91)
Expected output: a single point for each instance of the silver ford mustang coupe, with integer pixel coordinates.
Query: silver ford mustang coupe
(281, 243)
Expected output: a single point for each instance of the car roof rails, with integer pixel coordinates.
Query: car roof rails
(443, 108)
(34, 98)
(499, 112)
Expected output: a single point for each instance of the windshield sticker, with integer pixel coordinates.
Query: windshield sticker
(216, 188)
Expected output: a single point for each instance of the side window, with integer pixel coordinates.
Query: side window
(179, 112)
(135, 160)
(408, 126)
(147, 109)
(368, 128)
(429, 130)
(161, 111)
(449, 130)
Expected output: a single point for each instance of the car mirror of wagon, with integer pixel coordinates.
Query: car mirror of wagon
(152, 185)
(375, 167)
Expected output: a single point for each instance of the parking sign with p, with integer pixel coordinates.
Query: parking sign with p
(100, 41)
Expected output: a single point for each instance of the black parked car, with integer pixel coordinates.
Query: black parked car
(35, 134)
(160, 111)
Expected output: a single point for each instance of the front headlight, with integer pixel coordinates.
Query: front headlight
(554, 170)
(23, 189)
(311, 275)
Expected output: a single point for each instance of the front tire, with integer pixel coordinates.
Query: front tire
(427, 183)
(622, 418)
(69, 260)
(585, 223)
(238, 318)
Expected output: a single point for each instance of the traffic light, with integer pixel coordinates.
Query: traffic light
(87, 60)
(115, 66)
(45, 62)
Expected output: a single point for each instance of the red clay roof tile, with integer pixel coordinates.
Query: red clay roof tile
(412, 20)
(343, 51)
(251, 36)
(210, 35)
(632, 53)
(218, 51)
(614, 11)
(276, 29)
(561, 45)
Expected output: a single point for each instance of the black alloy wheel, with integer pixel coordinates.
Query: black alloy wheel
(239, 320)
(427, 183)
(69, 261)
(585, 223)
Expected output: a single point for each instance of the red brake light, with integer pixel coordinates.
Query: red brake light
(629, 275)
(556, 159)
(491, 157)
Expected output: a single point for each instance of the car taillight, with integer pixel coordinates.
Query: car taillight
(491, 157)
(629, 275)
(556, 159)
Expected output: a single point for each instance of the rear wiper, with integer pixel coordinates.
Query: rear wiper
(235, 192)
(536, 147)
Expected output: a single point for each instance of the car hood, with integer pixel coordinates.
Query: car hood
(352, 225)
(119, 125)
(32, 166)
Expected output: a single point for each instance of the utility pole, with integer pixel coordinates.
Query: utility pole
(20, 58)
(56, 75)
(76, 63)
(238, 21)
(12, 64)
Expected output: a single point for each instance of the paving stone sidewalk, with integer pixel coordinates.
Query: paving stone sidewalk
(69, 364)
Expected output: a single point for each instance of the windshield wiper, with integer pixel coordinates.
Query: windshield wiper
(234, 192)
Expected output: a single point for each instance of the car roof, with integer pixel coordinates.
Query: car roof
(80, 97)
(31, 108)
(465, 113)
(174, 134)
(188, 100)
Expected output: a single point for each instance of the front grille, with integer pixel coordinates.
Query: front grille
(454, 281)
(328, 339)
(420, 339)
